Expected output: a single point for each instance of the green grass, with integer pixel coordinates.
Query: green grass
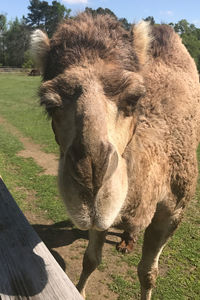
(22, 176)
(20, 107)
(19, 104)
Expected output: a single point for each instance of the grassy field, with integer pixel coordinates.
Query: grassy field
(20, 107)
(180, 262)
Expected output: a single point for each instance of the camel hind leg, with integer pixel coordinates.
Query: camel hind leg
(156, 235)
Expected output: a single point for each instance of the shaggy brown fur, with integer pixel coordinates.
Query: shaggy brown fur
(125, 110)
(87, 38)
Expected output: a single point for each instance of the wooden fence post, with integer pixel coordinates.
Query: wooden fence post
(27, 268)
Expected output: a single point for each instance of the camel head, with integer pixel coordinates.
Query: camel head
(92, 82)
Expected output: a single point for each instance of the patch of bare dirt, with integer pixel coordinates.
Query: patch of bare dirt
(48, 161)
(68, 244)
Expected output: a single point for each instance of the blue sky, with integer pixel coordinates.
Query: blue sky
(134, 10)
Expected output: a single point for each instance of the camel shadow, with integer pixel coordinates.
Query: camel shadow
(63, 234)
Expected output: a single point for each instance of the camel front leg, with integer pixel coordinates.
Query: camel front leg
(92, 257)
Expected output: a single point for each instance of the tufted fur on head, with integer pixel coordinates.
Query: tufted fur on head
(88, 37)
(142, 40)
(40, 45)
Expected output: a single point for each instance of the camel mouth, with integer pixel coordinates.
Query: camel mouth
(89, 208)
(99, 227)
(92, 223)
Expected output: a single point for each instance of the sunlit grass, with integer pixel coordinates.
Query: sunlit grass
(19, 105)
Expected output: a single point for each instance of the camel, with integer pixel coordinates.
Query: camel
(125, 113)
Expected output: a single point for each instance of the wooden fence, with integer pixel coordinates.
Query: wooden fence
(13, 70)
(27, 268)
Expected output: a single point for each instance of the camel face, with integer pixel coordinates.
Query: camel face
(92, 85)
(93, 127)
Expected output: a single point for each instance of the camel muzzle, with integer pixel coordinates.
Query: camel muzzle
(92, 169)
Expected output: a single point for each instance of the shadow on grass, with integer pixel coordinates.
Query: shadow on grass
(63, 234)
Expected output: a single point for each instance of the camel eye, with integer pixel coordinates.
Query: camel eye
(132, 99)
(70, 94)
(50, 100)
(128, 102)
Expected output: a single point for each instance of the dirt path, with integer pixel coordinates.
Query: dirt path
(48, 161)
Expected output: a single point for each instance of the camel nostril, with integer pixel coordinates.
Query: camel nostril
(112, 164)
(95, 167)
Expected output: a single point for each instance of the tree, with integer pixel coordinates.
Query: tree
(3, 23)
(182, 27)
(107, 11)
(36, 17)
(56, 13)
(45, 16)
(100, 11)
(16, 42)
(3, 27)
(28, 62)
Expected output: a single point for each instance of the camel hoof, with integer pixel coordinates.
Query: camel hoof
(124, 248)
(81, 291)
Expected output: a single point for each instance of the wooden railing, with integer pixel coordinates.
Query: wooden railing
(27, 268)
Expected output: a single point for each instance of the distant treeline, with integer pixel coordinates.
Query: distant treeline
(15, 35)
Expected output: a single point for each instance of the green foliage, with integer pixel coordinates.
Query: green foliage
(126, 289)
(56, 13)
(107, 11)
(16, 42)
(28, 62)
(3, 23)
(100, 11)
(45, 16)
(3, 27)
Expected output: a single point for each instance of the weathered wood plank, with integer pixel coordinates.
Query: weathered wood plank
(27, 268)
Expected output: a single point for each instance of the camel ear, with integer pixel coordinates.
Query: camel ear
(40, 46)
(141, 40)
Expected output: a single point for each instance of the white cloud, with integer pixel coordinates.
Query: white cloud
(76, 1)
(166, 13)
